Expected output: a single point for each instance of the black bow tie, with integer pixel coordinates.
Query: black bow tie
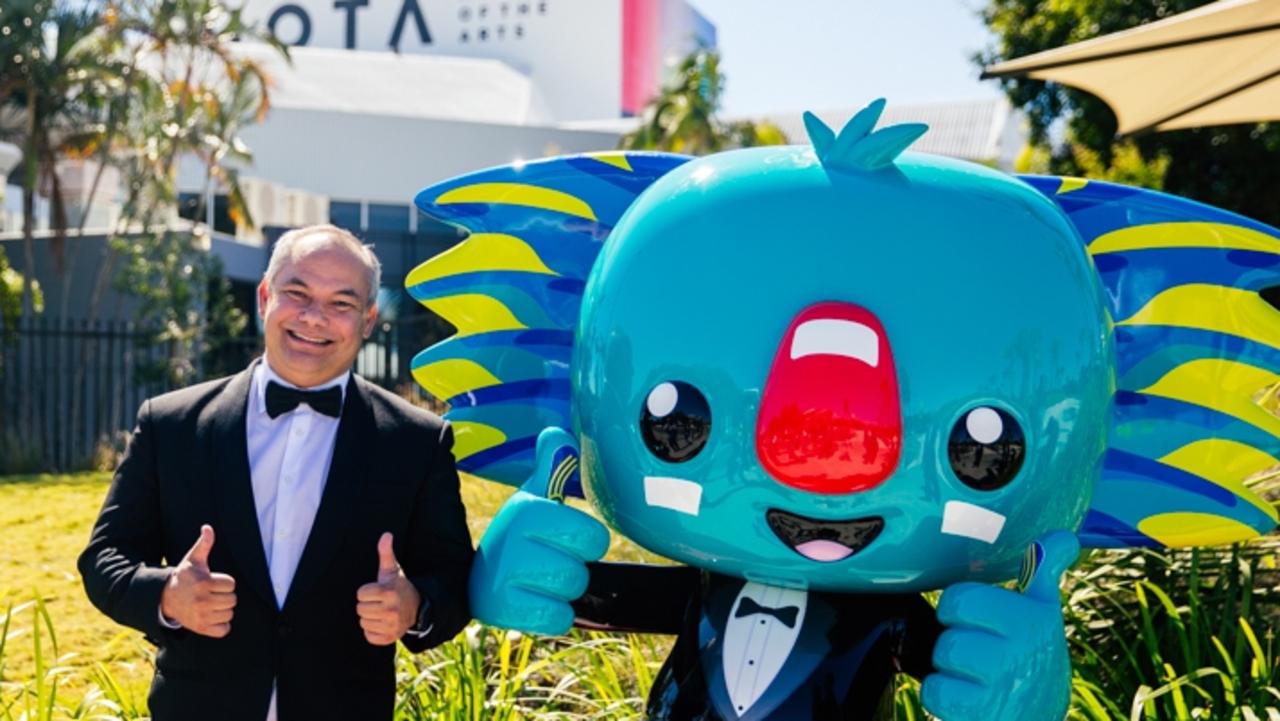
(786, 614)
(282, 399)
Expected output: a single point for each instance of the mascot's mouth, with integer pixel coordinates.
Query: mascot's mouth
(823, 541)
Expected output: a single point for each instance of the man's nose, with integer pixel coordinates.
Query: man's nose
(830, 419)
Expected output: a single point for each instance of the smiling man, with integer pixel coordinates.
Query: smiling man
(275, 533)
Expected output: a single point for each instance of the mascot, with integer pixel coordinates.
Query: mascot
(824, 379)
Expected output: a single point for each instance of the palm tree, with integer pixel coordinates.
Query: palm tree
(682, 118)
(48, 105)
(192, 95)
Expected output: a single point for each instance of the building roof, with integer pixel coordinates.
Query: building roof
(389, 84)
(983, 130)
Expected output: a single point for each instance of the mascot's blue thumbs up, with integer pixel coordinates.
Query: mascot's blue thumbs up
(1003, 656)
(532, 560)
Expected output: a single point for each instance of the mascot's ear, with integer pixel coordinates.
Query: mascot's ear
(1195, 436)
(513, 289)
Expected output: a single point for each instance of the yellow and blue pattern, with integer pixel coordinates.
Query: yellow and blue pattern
(1194, 444)
(513, 289)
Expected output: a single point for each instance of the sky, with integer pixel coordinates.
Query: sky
(825, 54)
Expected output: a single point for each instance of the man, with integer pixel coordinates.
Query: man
(276, 532)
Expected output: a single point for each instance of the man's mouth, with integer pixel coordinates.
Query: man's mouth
(823, 541)
(310, 340)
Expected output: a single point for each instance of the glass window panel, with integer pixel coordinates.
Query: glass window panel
(345, 214)
(385, 216)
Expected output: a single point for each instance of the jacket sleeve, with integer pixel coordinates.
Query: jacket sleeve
(121, 567)
(637, 597)
(439, 550)
(919, 629)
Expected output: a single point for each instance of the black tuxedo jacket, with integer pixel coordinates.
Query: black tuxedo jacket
(187, 464)
(847, 651)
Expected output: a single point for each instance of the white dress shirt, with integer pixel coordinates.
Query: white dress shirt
(289, 459)
(757, 646)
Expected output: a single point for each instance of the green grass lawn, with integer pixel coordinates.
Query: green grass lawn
(44, 524)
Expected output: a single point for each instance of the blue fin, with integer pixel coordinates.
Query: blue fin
(514, 289)
(1195, 435)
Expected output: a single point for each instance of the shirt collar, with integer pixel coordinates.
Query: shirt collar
(264, 374)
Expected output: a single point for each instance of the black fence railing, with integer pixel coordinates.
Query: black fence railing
(70, 390)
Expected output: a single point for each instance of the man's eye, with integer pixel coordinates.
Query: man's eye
(296, 294)
(343, 306)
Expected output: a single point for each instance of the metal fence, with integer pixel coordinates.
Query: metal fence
(70, 390)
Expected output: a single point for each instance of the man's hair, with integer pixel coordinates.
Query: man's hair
(286, 249)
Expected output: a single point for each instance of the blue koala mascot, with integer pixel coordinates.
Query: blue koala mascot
(824, 379)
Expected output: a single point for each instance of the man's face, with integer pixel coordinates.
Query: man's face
(316, 314)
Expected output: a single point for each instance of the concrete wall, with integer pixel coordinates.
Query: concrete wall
(348, 156)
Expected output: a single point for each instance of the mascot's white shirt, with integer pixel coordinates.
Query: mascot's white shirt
(756, 646)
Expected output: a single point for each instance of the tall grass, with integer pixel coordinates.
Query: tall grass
(1176, 635)
(1172, 636)
(483, 674)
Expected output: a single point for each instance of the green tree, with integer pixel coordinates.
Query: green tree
(191, 96)
(1235, 167)
(50, 105)
(682, 118)
(11, 282)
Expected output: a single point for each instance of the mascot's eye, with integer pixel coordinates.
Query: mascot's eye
(675, 421)
(986, 448)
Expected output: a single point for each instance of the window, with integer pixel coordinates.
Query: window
(345, 214)
(385, 216)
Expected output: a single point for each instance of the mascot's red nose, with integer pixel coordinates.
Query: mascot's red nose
(830, 420)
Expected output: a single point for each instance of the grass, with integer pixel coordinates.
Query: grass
(1154, 636)
(45, 522)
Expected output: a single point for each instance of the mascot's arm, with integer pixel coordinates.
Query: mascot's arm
(919, 635)
(532, 559)
(637, 597)
(1004, 654)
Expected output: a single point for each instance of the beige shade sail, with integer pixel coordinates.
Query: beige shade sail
(1215, 65)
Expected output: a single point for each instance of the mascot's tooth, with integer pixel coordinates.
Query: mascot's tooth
(674, 493)
(965, 519)
(832, 336)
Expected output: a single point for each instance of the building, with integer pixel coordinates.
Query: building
(383, 97)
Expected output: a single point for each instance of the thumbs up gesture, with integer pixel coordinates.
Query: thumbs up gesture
(389, 606)
(532, 560)
(201, 601)
(1004, 655)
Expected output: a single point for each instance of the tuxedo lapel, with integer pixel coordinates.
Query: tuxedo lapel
(236, 523)
(810, 648)
(356, 435)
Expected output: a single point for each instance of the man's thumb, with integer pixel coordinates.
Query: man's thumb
(1046, 560)
(388, 567)
(199, 553)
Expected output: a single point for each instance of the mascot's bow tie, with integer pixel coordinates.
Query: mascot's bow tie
(282, 399)
(786, 614)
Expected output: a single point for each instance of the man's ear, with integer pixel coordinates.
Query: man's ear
(370, 320)
(264, 295)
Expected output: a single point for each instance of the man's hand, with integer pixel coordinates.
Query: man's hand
(202, 601)
(389, 606)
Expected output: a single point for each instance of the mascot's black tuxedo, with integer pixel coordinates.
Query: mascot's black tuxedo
(187, 465)
(748, 652)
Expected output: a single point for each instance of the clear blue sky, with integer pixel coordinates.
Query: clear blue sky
(816, 54)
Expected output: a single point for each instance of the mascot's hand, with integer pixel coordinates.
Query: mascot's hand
(1004, 655)
(532, 560)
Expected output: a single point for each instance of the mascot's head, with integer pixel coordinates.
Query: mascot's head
(833, 366)
(836, 366)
